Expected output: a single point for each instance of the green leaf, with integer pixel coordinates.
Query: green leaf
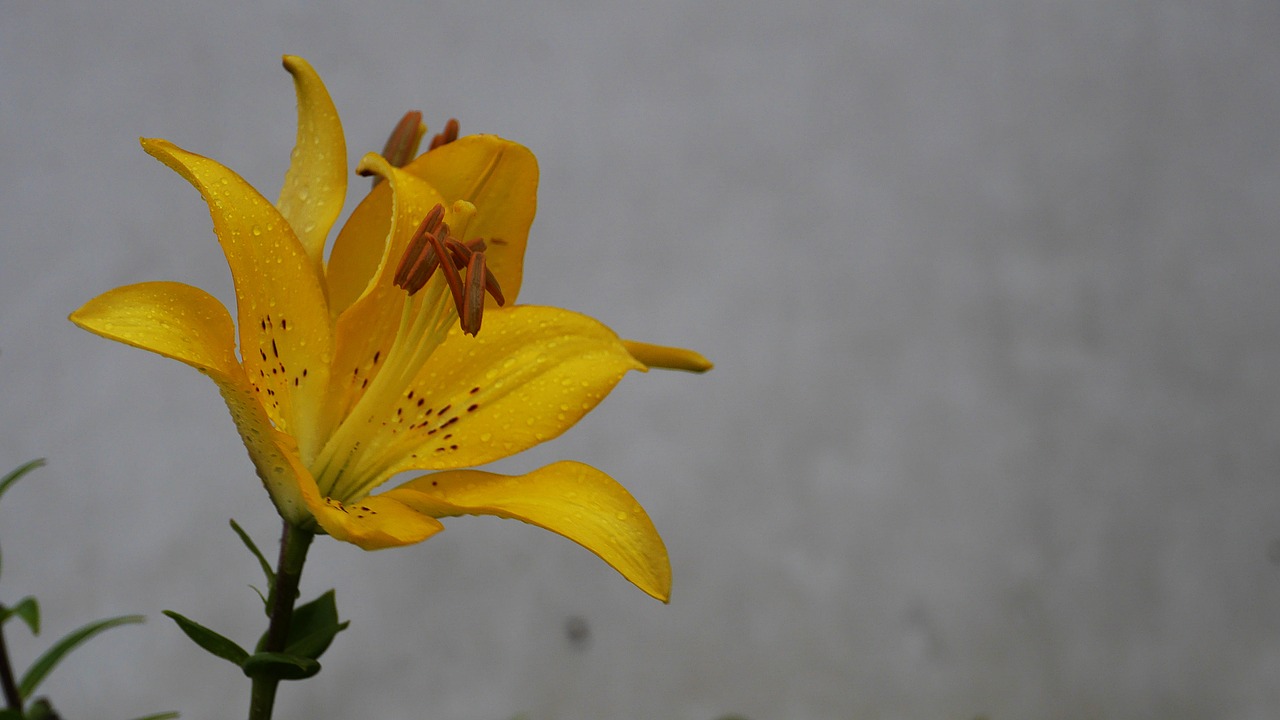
(314, 645)
(18, 472)
(157, 716)
(266, 566)
(45, 663)
(209, 640)
(314, 626)
(27, 609)
(281, 666)
(266, 603)
(42, 709)
(10, 714)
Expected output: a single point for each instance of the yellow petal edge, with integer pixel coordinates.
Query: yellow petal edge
(568, 498)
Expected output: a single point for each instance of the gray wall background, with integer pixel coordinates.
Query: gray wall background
(991, 287)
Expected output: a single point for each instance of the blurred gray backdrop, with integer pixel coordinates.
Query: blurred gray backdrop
(991, 288)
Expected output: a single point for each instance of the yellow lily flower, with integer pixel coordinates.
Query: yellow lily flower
(353, 371)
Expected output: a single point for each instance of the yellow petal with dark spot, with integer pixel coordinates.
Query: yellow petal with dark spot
(373, 523)
(366, 328)
(286, 340)
(528, 376)
(567, 498)
(189, 325)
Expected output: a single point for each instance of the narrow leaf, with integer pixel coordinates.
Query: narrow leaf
(18, 472)
(215, 643)
(159, 716)
(266, 566)
(280, 666)
(27, 609)
(45, 663)
(266, 603)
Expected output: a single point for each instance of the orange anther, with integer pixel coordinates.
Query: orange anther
(473, 305)
(445, 137)
(402, 145)
(415, 266)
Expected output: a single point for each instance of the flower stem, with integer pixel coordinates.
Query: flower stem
(293, 553)
(11, 695)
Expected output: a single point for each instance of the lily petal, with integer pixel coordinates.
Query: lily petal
(668, 358)
(359, 249)
(368, 249)
(367, 327)
(316, 184)
(529, 376)
(286, 341)
(567, 498)
(175, 320)
(189, 325)
(500, 178)
(373, 523)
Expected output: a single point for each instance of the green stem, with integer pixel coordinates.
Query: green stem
(11, 695)
(293, 553)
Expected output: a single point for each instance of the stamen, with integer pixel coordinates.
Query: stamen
(423, 271)
(449, 134)
(402, 144)
(432, 247)
(491, 287)
(464, 251)
(450, 271)
(418, 253)
(473, 307)
(460, 253)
